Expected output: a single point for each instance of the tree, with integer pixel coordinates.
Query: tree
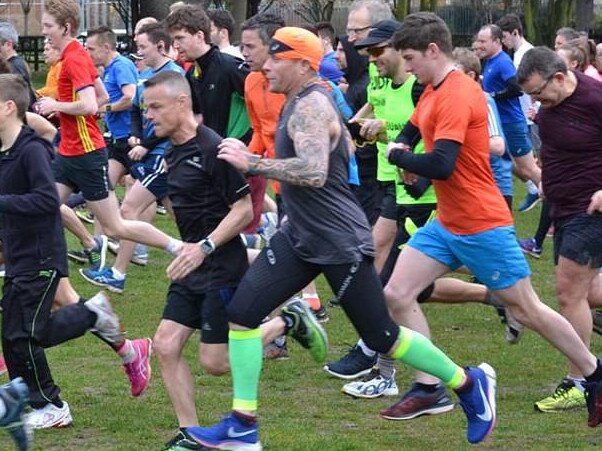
(314, 11)
(584, 15)
(26, 8)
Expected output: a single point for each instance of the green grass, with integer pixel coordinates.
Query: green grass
(301, 408)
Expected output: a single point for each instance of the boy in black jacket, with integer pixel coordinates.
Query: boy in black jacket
(35, 252)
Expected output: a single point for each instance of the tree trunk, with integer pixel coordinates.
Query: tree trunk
(238, 9)
(530, 13)
(584, 12)
(402, 8)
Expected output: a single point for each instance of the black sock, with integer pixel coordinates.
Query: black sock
(247, 420)
(466, 386)
(596, 376)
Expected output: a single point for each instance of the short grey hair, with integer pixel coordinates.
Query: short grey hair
(8, 33)
(377, 9)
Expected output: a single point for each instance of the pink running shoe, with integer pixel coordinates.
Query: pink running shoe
(3, 368)
(139, 369)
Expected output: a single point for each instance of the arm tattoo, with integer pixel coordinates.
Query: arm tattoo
(309, 127)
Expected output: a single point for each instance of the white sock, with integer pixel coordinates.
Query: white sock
(117, 274)
(127, 352)
(2, 408)
(365, 349)
(531, 187)
(578, 382)
(174, 246)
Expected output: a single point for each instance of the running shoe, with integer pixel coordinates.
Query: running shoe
(107, 323)
(15, 395)
(514, 329)
(140, 255)
(593, 396)
(373, 385)
(3, 368)
(139, 369)
(85, 215)
(230, 433)
(80, 257)
(417, 402)
(531, 200)
(321, 314)
(478, 403)
(161, 210)
(352, 365)
(103, 278)
(51, 416)
(305, 328)
(97, 256)
(182, 441)
(529, 247)
(275, 351)
(566, 397)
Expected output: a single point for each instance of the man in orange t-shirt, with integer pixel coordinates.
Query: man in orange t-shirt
(474, 227)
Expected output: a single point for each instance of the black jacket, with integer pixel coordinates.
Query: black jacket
(30, 222)
(216, 79)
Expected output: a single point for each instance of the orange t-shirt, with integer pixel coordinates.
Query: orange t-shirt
(263, 108)
(468, 202)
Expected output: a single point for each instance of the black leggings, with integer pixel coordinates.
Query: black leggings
(278, 273)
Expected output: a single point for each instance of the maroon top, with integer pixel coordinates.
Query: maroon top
(571, 151)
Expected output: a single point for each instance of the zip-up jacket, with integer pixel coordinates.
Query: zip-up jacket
(31, 228)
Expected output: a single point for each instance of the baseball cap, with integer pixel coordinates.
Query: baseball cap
(297, 43)
(380, 32)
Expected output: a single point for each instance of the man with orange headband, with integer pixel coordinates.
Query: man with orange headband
(328, 233)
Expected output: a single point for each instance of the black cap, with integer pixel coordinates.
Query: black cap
(380, 32)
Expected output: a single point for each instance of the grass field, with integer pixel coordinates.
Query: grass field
(301, 408)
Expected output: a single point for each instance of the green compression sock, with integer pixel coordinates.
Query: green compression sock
(245, 348)
(420, 353)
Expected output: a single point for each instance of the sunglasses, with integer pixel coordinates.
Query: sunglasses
(377, 51)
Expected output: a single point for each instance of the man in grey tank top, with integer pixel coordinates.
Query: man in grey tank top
(328, 233)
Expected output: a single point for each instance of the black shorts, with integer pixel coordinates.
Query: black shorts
(388, 205)
(579, 239)
(118, 151)
(205, 311)
(87, 173)
(278, 273)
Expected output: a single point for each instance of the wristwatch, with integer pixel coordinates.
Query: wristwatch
(207, 246)
(108, 108)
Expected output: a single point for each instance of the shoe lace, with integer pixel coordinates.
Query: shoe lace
(562, 390)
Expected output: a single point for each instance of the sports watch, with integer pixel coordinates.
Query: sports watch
(207, 246)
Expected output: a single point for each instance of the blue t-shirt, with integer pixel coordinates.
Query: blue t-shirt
(329, 68)
(501, 165)
(120, 72)
(498, 70)
(148, 128)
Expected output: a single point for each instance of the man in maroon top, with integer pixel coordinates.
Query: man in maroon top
(570, 126)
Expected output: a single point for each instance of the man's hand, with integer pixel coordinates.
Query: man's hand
(595, 206)
(237, 154)
(371, 128)
(47, 106)
(133, 141)
(190, 257)
(137, 153)
(393, 146)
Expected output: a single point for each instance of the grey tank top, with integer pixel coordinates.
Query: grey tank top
(325, 225)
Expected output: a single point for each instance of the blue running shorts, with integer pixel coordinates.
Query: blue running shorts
(493, 256)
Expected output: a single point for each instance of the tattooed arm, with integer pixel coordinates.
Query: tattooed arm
(314, 128)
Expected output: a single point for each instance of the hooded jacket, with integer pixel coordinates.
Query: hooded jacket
(30, 223)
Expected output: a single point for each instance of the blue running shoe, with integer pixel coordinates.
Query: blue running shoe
(97, 256)
(230, 433)
(15, 395)
(479, 403)
(103, 278)
(531, 200)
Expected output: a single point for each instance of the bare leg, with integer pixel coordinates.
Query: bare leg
(383, 233)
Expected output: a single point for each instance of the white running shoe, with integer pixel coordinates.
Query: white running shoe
(372, 386)
(50, 416)
(107, 322)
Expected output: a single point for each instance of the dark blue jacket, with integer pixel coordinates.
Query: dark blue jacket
(30, 222)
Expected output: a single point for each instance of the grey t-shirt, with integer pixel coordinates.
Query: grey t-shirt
(325, 225)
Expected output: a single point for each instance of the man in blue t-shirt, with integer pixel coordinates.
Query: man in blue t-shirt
(119, 77)
(499, 80)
